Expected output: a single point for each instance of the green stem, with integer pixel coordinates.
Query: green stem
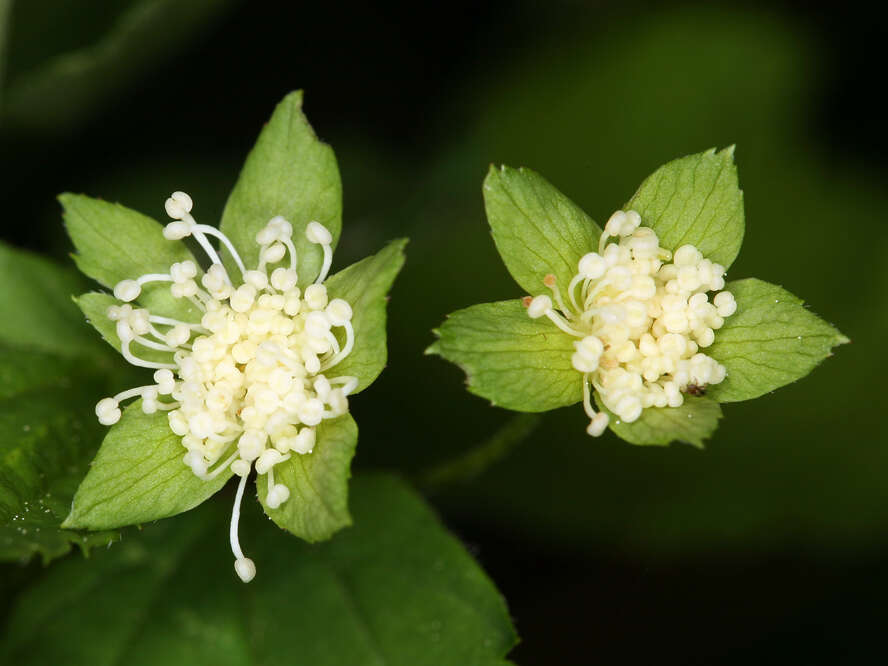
(474, 462)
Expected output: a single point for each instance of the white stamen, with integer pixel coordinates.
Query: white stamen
(244, 566)
(640, 323)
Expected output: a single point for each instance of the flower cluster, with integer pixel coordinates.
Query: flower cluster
(641, 322)
(247, 384)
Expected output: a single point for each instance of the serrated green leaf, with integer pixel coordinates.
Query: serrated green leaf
(394, 589)
(47, 435)
(512, 360)
(318, 483)
(536, 228)
(365, 285)
(94, 306)
(115, 243)
(288, 172)
(138, 476)
(693, 422)
(37, 312)
(695, 200)
(772, 340)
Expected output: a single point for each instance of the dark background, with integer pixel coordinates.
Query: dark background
(771, 545)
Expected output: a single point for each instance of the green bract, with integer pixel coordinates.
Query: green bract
(530, 364)
(290, 192)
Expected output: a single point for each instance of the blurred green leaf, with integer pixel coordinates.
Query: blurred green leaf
(365, 286)
(36, 306)
(770, 341)
(94, 306)
(47, 435)
(512, 360)
(48, 367)
(318, 483)
(693, 422)
(75, 57)
(536, 228)
(138, 476)
(394, 589)
(695, 200)
(115, 243)
(288, 172)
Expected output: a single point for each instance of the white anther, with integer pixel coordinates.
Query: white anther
(127, 290)
(338, 312)
(257, 279)
(539, 306)
(630, 223)
(725, 303)
(268, 459)
(284, 279)
(178, 205)
(311, 412)
(240, 467)
(245, 568)
(317, 233)
(592, 266)
(598, 424)
(108, 411)
(303, 442)
(615, 223)
(277, 495)
(283, 228)
(183, 200)
(267, 235)
(315, 296)
(274, 253)
(243, 297)
(165, 381)
(687, 255)
(177, 230)
(183, 271)
(251, 444)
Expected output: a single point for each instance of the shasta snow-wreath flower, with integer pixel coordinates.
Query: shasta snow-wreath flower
(255, 350)
(638, 315)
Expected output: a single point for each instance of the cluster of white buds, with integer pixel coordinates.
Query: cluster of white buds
(641, 322)
(247, 385)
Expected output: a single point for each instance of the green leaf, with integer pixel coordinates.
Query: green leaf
(48, 432)
(94, 306)
(72, 70)
(536, 228)
(364, 285)
(289, 172)
(693, 422)
(115, 243)
(394, 589)
(318, 483)
(770, 341)
(512, 360)
(695, 200)
(138, 476)
(37, 312)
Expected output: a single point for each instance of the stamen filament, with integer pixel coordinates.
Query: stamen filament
(325, 268)
(244, 566)
(563, 325)
(213, 231)
(134, 360)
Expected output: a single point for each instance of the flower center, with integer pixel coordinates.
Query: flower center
(247, 386)
(641, 322)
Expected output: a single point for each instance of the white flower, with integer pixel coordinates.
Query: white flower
(250, 382)
(641, 322)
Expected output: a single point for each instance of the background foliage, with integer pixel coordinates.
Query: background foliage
(772, 541)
